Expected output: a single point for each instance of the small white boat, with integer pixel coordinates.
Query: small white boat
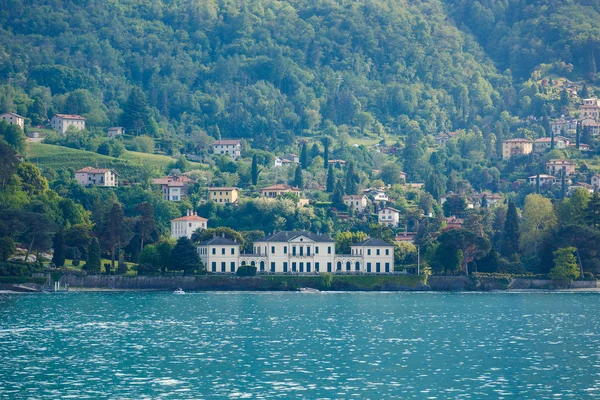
(308, 290)
(179, 291)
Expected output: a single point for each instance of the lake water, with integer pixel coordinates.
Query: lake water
(300, 345)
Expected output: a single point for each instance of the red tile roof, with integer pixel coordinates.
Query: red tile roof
(190, 218)
(70, 116)
(92, 170)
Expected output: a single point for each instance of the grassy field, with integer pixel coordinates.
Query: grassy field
(129, 165)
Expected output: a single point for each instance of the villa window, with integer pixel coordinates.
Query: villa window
(272, 249)
(214, 251)
(223, 250)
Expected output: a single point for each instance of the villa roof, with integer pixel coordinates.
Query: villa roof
(92, 170)
(518, 140)
(70, 116)
(222, 189)
(190, 218)
(226, 141)
(12, 113)
(281, 186)
(546, 176)
(373, 242)
(354, 196)
(219, 241)
(286, 236)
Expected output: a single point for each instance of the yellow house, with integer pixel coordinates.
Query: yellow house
(516, 147)
(223, 194)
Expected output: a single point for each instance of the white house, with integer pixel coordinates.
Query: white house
(102, 177)
(278, 162)
(596, 181)
(186, 226)
(62, 122)
(13, 119)
(357, 203)
(378, 195)
(228, 146)
(220, 255)
(298, 252)
(175, 187)
(115, 131)
(389, 216)
(544, 180)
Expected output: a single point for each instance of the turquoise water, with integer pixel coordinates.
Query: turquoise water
(300, 345)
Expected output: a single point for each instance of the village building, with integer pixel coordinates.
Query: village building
(13, 119)
(291, 158)
(491, 199)
(406, 237)
(596, 182)
(516, 147)
(543, 145)
(591, 125)
(115, 131)
(558, 167)
(223, 194)
(442, 138)
(101, 177)
(580, 185)
(62, 122)
(336, 162)
(220, 255)
(187, 225)
(230, 147)
(174, 188)
(301, 252)
(453, 223)
(563, 126)
(545, 180)
(377, 195)
(279, 189)
(389, 216)
(590, 108)
(278, 162)
(357, 203)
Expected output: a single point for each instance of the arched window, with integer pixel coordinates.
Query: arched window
(357, 266)
(244, 262)
(262, 265)
(348, 265)
(339, 266)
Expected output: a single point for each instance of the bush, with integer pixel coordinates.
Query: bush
(75, 262)
(246, 270)
(147, 269)
(122, 268)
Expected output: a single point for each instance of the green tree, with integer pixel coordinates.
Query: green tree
(434, 186)
(8, 164)
(58, 244)
(352, 179)
(254, 170)
(304, 156)
(538, 222)
(391, 174)
(184, 256)
(137, 117)
(7, 248)
(343, 241)
(13, 135)
(326, 153)
(94, 261)
(337, 198)
(472, 246)
(330, 180)
(298, 178)
(146, 224)
(32, 181)
(592, 214)
(510, 234)
(565, 265)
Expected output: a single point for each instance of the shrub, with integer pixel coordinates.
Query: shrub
(246, 270)
(75, 262)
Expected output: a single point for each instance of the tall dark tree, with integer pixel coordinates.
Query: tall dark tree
(338, 195)
(314, 151)
(473, 246)
(254, 170)
(563, 184)
(146, 224)
(8, 163)
(552, 139)
(58, 245)
(592, 214)
(578, 135)
(352, 179)
(184, 256)
(330, 180)
(537, 179)
(510, 234)
(137, 117)
(434, 186)
(304, 156)
(114, 232)
(298, 178)
(326, 153)
(586, 135)
(585, 92)
(411, 153)
(94, 261)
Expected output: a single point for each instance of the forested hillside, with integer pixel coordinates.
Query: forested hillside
(256, 69)
(522, 34)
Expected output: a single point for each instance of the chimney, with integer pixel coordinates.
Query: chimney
(187, 213)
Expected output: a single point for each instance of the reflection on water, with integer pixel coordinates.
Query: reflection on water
(323, 345)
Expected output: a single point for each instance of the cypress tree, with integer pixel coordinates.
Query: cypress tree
(592, 212)
(338, 195)
(93, 262)
(298, 178)
(537, 180)
(326, 153)
(352, 179)
(304, 156)
(330, 180)
(510, 235)
(552, 139)
(58, 244)
(563, 184)
(314, 151)
(254, 170)
(578, 135)
(184, 256)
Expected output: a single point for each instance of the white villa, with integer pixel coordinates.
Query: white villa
(544, 179)
(297, 252)
(13, 119)
(357, 203)
(187, 225)
(102, 177)
(115, 131)
(228, 146)
(596, 181)
(62, 122)
(389, 216)
(175, 187)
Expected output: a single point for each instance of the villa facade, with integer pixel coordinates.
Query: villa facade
(298, 252)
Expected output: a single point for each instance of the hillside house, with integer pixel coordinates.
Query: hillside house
(279, 189)
(230, 147)
(558, 167)
(222, 195)
(516, 147)
(590, 108)
(101, 177)
(596, 182)
(389, 216)
(291, 158)
(220, 255)
(357, 203)
(115, 131)
(13, 119)
(62, 122)
(187, 225)
(543, 145)
(545, 180)
(173, 188)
